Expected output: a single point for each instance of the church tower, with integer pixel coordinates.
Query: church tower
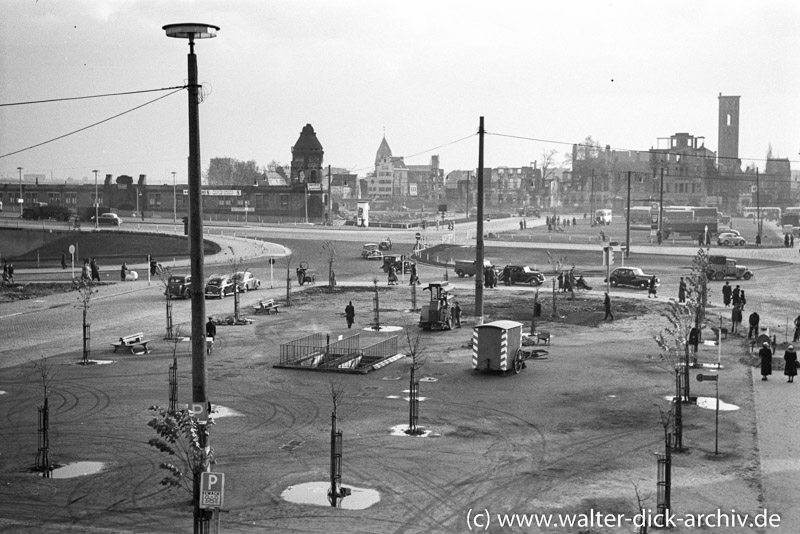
(307, 158)
(728, 160)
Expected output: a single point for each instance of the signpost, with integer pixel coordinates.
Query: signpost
(72, 253)
(271, 263)
(715, 379)
(212, 490)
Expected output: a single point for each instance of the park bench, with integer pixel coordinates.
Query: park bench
(132, 342)
(266, 306)
(543, 337)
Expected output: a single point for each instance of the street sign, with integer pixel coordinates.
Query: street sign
(200, 411)
(212, 490)
(707, 378)
(418, 236)
(72, 249)
(272, 261)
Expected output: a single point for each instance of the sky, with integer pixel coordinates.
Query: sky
(543, 74)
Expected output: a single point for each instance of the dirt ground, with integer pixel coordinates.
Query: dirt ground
(576, 432)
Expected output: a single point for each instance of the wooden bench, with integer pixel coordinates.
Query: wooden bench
(132, 342)
(543, 337)
(266, 306)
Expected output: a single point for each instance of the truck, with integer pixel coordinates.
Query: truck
(467, 268)
(44, 211)
(722, 267)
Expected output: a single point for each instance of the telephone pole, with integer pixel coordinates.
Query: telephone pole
(479, 232)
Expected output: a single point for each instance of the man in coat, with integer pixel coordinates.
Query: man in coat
(766, 360)
(350, 314)
(736, 319)
(607, 306)
(726, 293)
(682, 291)
(796, 329)
(753, 320)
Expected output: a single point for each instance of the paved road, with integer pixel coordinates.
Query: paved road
(776, 401)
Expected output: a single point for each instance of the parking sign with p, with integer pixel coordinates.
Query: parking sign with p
(212, 490)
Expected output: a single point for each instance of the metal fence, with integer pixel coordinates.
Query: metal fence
(295, 351)
(379, 351)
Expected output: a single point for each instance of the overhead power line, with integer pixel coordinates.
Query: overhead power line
(91, 125)
(90, 96)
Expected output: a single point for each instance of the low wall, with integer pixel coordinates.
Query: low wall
(18, 241)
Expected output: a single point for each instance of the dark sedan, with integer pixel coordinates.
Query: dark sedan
(631, 277)
(522, 274)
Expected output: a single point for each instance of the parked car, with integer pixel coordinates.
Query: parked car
(467, 267)
(729, 238)
(179, 287)
(630, 276)
(219, 286)
(108, 218)
(386, 244)
(522, 274)
(370, 251)
(245, 281)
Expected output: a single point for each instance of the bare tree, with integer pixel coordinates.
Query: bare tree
(43, 463)
(698, 287)
(330, 248)
(558, 264)
(415, 352)
(85, 289)
(164, 274)
(236, 266)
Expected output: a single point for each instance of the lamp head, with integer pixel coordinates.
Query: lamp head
(191, 30)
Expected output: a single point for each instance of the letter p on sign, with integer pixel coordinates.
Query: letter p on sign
(212, 490)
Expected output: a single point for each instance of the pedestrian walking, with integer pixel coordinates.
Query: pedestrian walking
(659, 238)
(457, 314)
(765, 354)
(790, 363)
(350, 314)
(413, 278)
(736, 296)
(560, 281)
(786, 240)
(123, 272)
(682, 291)
(727, 291)
(63, 260)
(791, 240)
(607, 305)
(211, 332)
(392, 276)
(651, 287)
(736, 319)
(796, 329)
(758, 240)
(86, 271)
(742, 299)
(507, 275)
(753, 321)
(153, 266)
(694, 341)
(95, 270)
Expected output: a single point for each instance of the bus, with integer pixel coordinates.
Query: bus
(690, 221)
(767, 213)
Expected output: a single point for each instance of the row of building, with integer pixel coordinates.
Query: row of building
(682, 172)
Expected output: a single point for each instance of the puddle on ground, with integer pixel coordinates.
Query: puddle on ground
(428, 379)
(400, 430)
(2, 392)
(710, 403)
(390, 378)
(316, 493)
(77, 469)
(383, 328)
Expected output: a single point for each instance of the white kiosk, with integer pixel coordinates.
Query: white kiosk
(362, 219)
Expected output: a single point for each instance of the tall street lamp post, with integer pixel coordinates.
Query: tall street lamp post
(96, 215)
(174, 201)
(192, 31)
(19, 200)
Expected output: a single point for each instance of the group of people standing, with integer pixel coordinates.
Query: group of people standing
(789, 362)
(8, 272)
(90, 270)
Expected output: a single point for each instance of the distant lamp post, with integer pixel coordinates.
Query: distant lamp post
(96, 215)
(192, 31)
(19, 200)
(174, 201)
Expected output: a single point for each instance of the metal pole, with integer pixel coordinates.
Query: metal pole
(20, 189)
(716, 421)
(591, 207)
(96, 214)
(305, 200)
(628, 223)
(661, 204)
(479, 233)
(174, 201)
(330, 200)
(758, 206)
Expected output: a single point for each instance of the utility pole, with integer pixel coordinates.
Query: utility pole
(592, 201)
(479, 233)
(661, 203)
(174, 200)
(19, 201)
(330, 200)
(96, 215)
(628, 223)
(758, 207)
